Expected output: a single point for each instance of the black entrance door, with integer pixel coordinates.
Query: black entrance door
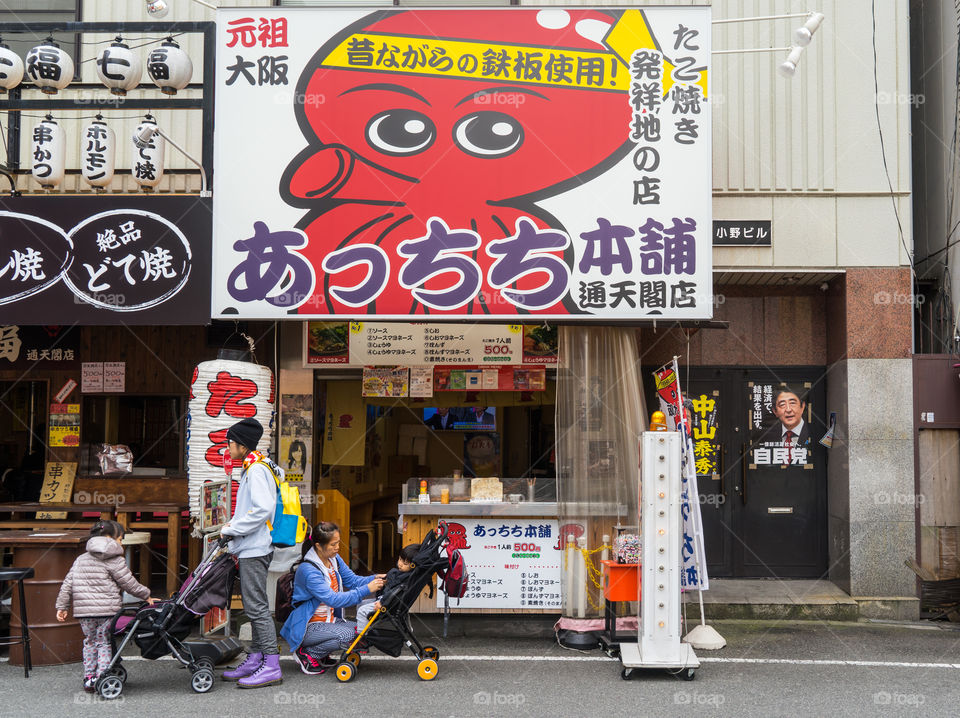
(762, 491)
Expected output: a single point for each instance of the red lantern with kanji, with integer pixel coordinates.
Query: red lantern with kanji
(222, 393)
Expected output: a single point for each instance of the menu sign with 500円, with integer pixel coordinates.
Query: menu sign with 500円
(513, 563)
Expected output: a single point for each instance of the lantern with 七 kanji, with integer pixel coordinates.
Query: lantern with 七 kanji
(49, 153)
(119, 68)
(222, 393)
(169, 67)
(11, 68)
(49, 67)
(148, 158)
(97, 151)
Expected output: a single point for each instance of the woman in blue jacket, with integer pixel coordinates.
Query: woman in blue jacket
(322, 588)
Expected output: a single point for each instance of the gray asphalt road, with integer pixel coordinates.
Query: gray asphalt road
(767, 669)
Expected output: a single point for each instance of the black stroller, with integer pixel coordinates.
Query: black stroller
(389, 628)
(162, 628)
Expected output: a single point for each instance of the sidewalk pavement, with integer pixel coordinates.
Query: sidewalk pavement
(767, 669)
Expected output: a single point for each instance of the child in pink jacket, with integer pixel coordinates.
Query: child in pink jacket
(95, 586)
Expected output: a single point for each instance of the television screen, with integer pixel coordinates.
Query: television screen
(461, 418)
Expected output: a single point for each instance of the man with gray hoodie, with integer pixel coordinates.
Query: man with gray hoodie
(249, 528)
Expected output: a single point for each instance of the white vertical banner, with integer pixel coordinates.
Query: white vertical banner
(671, 404)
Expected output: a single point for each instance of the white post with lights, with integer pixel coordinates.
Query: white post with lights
(660, 631)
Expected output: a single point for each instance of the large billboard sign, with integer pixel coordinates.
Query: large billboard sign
(474, 162)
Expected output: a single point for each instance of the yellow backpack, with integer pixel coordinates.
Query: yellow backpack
(289, 527)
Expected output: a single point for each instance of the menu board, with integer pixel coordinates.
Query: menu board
(513, 563)
(64, 425)
(411, 344)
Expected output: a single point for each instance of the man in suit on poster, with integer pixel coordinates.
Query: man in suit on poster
(791, 431)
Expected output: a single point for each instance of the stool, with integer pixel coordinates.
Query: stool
(382, 524)
(18, 575)
(369, 531)
(141, 539)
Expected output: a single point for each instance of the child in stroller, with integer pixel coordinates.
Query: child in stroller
(389, 629)
(162, 628)
(394, 577)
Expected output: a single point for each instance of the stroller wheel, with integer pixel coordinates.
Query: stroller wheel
(431, 652)
(109, 686)
(202, 680)
(427, 669)
(204, 662)
(353, 659)
(120, 672)
(346, 672)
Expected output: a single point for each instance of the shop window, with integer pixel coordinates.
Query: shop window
(23, 439)
(152, 426)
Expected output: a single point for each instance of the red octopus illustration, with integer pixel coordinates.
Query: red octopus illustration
(389, 152)
(457, 536)
(576, 529)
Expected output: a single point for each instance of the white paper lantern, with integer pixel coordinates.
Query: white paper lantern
(98, 148)
(119, 68)
(148, 161)
(222, 393)
(11, 68)
(49, 153)
(49, 67)
(170, 67)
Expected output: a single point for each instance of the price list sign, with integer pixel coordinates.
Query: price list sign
(513, 563)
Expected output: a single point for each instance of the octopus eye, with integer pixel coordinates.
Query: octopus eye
(401, 132)
(488, 134)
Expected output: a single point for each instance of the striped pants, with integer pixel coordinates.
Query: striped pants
(324, 638)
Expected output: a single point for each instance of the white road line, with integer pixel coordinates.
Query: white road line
(604, 659)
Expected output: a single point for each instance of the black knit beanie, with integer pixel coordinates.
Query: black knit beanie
(246, 433)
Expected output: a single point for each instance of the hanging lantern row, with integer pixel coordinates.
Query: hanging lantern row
(98, 152)
(118, 67)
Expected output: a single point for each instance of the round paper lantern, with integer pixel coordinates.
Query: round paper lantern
(170, 67)
(222, 393)
(119, 68)
(11, 68)
(49, 67)
(49, 153)
(98, 148)
(148, 160)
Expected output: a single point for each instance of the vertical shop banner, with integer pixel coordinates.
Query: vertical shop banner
(779, 425)
(65, 425)
(296, 446)
(105, 260)
(344, 436)
(705, 423)
(671, 404)
(463, 162)
(513, 563)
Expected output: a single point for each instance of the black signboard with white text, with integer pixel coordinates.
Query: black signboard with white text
(105, 260)
(742, 232)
